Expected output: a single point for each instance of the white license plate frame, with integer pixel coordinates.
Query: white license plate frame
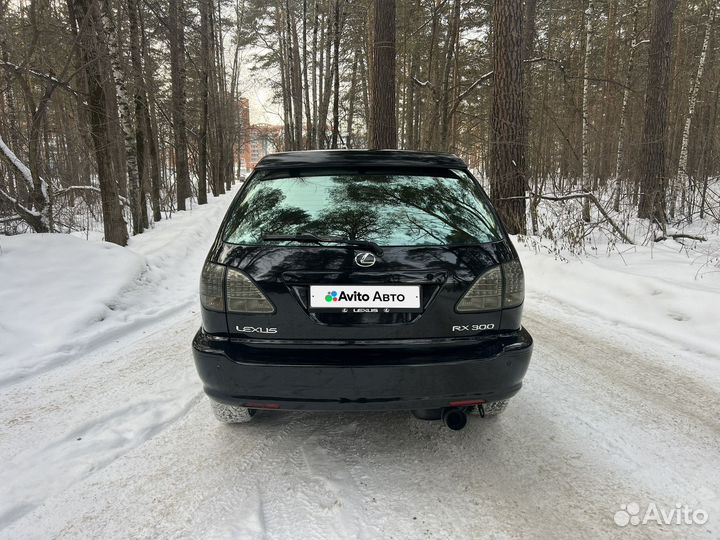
(366, 298)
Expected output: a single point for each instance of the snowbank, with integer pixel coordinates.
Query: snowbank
(663, 290)
(53, 286)
(61, 295)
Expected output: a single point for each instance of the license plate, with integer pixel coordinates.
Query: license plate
(359, 298)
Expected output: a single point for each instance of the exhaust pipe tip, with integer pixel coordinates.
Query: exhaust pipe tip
(455, 418)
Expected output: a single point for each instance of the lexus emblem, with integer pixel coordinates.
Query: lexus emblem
(365, 259)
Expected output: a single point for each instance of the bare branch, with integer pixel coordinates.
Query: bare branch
(10, 219)
(71, 189)
(40, 75)
(585, 195)
(491, 74)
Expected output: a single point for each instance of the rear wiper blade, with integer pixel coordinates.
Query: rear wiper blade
(309, 237)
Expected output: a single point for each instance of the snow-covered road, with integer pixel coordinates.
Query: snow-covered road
(120, 443)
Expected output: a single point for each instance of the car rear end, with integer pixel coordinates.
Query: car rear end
(410, 299)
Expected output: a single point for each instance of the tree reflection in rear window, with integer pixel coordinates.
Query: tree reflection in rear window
(389, 209)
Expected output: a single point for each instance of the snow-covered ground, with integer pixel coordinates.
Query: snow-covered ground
(62, 295)
(105, 431)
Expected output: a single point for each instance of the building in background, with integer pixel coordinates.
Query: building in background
(257, 140)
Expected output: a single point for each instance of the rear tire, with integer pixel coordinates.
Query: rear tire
(231, 414)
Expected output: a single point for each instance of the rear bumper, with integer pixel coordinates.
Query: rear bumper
(362, 378)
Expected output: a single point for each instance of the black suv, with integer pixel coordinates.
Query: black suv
(352, 280)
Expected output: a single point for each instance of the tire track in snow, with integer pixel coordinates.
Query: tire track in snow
(322, 485)
(85, 451)
(243, 494)
(648, 386)
(98, 340)
(301, 487)
(102, 408)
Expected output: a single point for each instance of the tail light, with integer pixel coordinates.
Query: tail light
(514, 293)
(212, 295)
(484, 295)
(500, 287)
(236, 291)
(243, 296)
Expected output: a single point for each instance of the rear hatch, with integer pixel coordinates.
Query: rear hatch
(438, 276)
(437, 235)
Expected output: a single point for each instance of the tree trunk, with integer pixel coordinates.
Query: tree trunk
(682, 173)
(654, 168)
(306, 80)
(285, 84)
(507, 153)
(327, 40)
(429, 125)
(383, 127)
(312, 134)
(453, 37)
(126, 119)
(140, 101)
(149, 132)
(87, 18)
(619, 157)
(336, 77)
(223, 121)
(205, 60)
(606, 134)
(529, 31)
(585, 143)
(364, 83)
(352, 96)
(295, 77)
(176, 23)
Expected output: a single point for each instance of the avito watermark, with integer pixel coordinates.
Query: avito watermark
(680, 514)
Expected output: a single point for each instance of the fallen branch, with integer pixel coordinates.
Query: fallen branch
(584, 195)
(681, 235)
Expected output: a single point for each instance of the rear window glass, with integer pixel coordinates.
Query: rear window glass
(391, 210)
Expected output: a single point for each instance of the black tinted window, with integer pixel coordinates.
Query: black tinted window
(392, 210)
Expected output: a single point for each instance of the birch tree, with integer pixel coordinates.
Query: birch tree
(589, 22)
(126, 117)
(682, 177)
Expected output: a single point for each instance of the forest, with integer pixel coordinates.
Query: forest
(332, 346)
(576, 115)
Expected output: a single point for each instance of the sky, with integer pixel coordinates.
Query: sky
(262, 108)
